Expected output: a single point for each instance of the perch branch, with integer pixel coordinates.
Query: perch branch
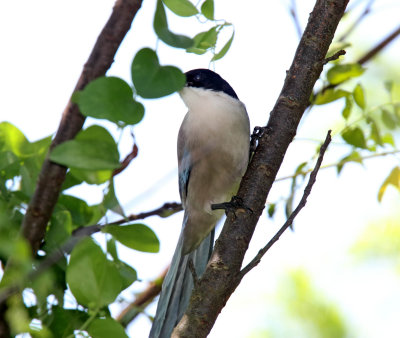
(220, 279)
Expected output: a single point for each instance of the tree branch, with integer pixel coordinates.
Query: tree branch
(52, 175)
(220, 278)
(307, 190)
(381, 45)
(295, 17)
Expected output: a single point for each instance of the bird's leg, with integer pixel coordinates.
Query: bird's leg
(193, 271)
(234, 204)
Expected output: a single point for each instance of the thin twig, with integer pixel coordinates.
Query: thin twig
(131, 311)
(127, 160)
(302, 173)
(368, 56)
(334, 56)
(362, 16)
(295, 17)
(254, 262)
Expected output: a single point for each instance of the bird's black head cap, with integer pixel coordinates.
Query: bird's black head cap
(207, 79)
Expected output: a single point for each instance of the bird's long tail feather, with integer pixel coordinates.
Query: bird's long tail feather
(178, 286)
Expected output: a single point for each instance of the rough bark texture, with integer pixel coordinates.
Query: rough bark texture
(221, 277)
(52, 175)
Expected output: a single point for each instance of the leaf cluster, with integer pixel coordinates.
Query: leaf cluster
(93, 274)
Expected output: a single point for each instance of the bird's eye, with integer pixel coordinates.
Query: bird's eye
(197, 77)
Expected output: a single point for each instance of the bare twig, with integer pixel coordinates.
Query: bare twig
(295, 17)
(381, 45)
(130, 312)
(254, 262)
(334, 56)
(302, 173)
(127, 160)
(361, 17)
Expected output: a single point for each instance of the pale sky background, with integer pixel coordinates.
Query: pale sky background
(45, 44)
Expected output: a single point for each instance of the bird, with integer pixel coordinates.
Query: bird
(213, 154)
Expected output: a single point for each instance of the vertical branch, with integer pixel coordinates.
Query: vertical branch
(222, 275)
(52, 175)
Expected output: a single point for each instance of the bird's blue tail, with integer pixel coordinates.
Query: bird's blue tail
(178, 286)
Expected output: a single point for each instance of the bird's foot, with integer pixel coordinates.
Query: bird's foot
(232, 206)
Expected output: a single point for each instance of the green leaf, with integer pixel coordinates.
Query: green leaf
(393, 88)
(300, 168)
(127, 274)
(111, 202)
(271, 210)
(330, 95)
(92, 149)
(91, 176)
(207, 9)
(359, 96)
(354, 156)
(388, 139)
(224, 49)
(135, 236)
(109, 98)
(342, 72)
(106, 328)
(59, 231)
(160, 25)
(354, 137)
(80, 212)
(204, 41)
(375, 134)
(152, 80)
(347, 108)
(181, 7)
(70, 181)
(393, 179)
(388, 119)
(93, 280)
(12, 139)
(112, 249)
(9, 165)
(62, 322)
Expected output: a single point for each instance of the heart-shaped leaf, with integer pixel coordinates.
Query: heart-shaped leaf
(109, 98)
(160, 25)
(152, 80)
